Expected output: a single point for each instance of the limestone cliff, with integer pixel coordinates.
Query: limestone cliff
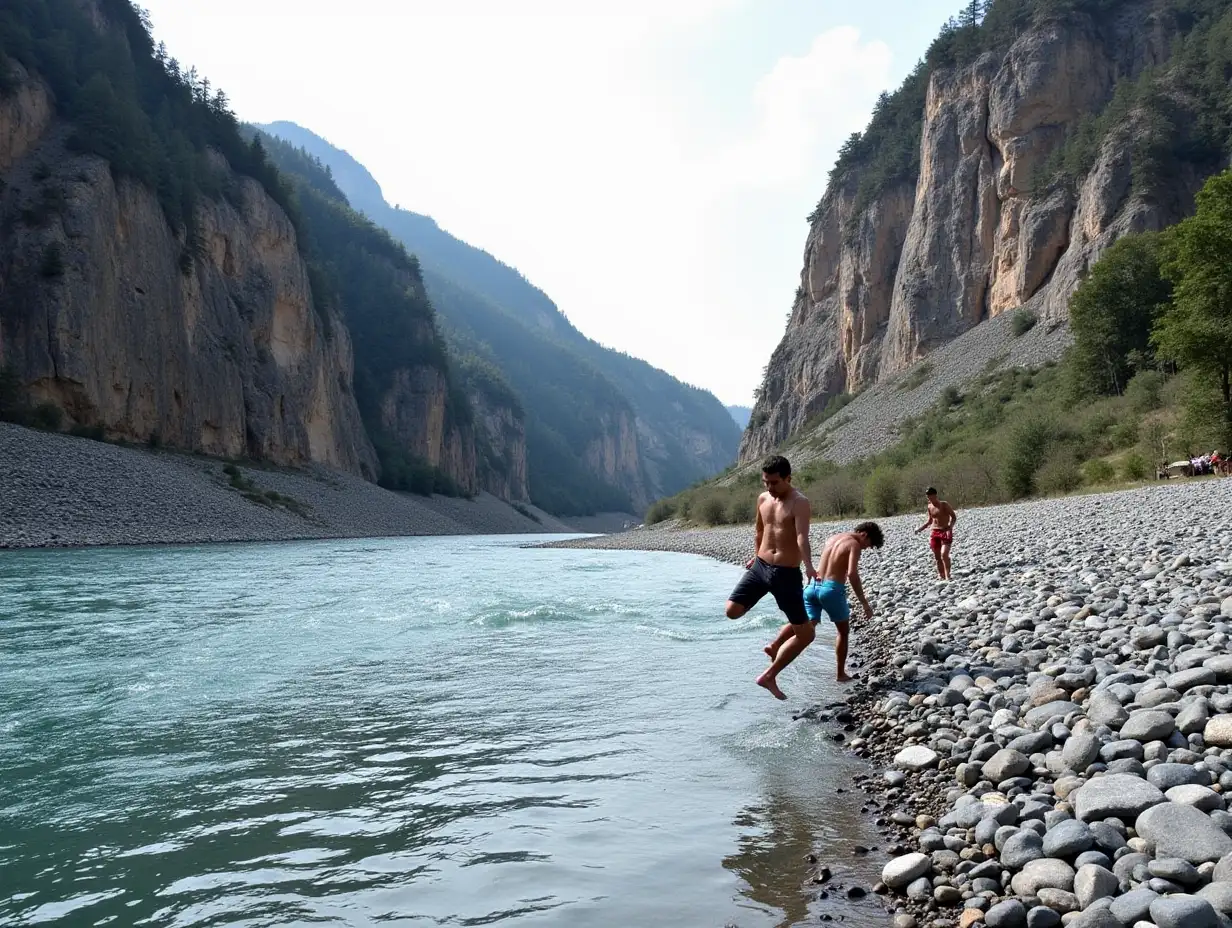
(501, 432)
(104, 314)
(613, 456)
(978, 228)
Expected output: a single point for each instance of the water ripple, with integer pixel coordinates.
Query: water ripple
(356, 733)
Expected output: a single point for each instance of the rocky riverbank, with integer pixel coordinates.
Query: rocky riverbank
(59, 491)
(1052, 729)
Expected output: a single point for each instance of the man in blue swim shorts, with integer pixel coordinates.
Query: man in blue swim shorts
(840, 562)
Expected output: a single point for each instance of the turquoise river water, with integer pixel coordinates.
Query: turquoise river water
(418, 732)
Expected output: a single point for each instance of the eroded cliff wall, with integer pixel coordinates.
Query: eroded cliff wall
(979, 231)
(104, 314)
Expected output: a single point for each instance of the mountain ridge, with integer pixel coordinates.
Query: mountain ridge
(682, 433)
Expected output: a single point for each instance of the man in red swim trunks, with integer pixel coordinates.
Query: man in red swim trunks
(941, 517)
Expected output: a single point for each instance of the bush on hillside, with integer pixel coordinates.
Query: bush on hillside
(712, 510)
(1124, 434)
(660, 511)
(1097, 472)
(1145, 391)
(1134, 467)
(1059, 472)
(837, 496)
(881, 492)
(1024, 453)
(1023, 321)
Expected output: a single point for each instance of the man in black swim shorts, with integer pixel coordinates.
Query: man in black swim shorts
(782, 533)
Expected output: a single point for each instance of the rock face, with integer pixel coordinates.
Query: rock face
(215, 347)
(502, 468)
(889, 279)
(230, 358)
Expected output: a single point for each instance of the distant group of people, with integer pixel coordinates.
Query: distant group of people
(1207, 464)
(782, 543)
(1196, 465)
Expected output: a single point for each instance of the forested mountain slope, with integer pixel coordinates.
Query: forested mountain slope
(600, 424)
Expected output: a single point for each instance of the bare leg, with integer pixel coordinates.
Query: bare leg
(940, 564)
(735, 610)
(773, 647)
(802, 637)
(840, 650)
(945, 560)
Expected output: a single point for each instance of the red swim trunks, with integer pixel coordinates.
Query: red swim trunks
(941, 537)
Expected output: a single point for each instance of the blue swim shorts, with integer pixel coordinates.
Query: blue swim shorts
(827, 596)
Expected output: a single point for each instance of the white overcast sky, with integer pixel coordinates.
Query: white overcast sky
(647, 163)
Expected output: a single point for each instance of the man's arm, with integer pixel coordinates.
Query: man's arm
(804, 512)
(927, 522)
(953, 515)
(758, 530)
(857, 586)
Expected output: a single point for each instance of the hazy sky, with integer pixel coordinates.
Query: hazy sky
(647, 163)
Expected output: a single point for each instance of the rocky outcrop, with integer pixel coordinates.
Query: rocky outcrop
(502, 469)
(104, 314)
(979, 234)
(415, 412)
(613, 456)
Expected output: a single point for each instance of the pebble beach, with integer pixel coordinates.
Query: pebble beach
(59, 491)
(1049, 734)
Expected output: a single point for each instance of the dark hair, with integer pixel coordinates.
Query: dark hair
(931, 491)
(777, 464)
(873, 531)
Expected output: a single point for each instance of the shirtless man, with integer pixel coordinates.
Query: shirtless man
(782, 532)
(941, 516)
(840, 562)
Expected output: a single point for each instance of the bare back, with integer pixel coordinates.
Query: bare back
(777, 531)
(839, 557)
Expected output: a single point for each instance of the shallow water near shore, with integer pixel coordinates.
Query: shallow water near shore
(414, 731)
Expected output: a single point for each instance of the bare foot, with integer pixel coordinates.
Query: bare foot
(769, 649)
(768, 683)
(843, 678)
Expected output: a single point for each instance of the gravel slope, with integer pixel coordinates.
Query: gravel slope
(61, 491)
(1054, 726)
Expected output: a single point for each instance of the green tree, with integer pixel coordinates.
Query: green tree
(1196, 330)
(1112, 312)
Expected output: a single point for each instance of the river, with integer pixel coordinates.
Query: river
(423, 731)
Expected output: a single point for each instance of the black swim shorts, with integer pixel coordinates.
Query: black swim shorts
(785, 584)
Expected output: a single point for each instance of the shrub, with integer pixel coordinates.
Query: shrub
(1097, 472)
(1059, 473)
(838, 495)
(1024, 453)
(659, 511)
(712, 511)
(47, 416)
(950, 396)
(881, 493)
(1134, 467)
(741, 509)
(1022, 322)
(1124, 434)
(918, 377)
(1145, 391)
